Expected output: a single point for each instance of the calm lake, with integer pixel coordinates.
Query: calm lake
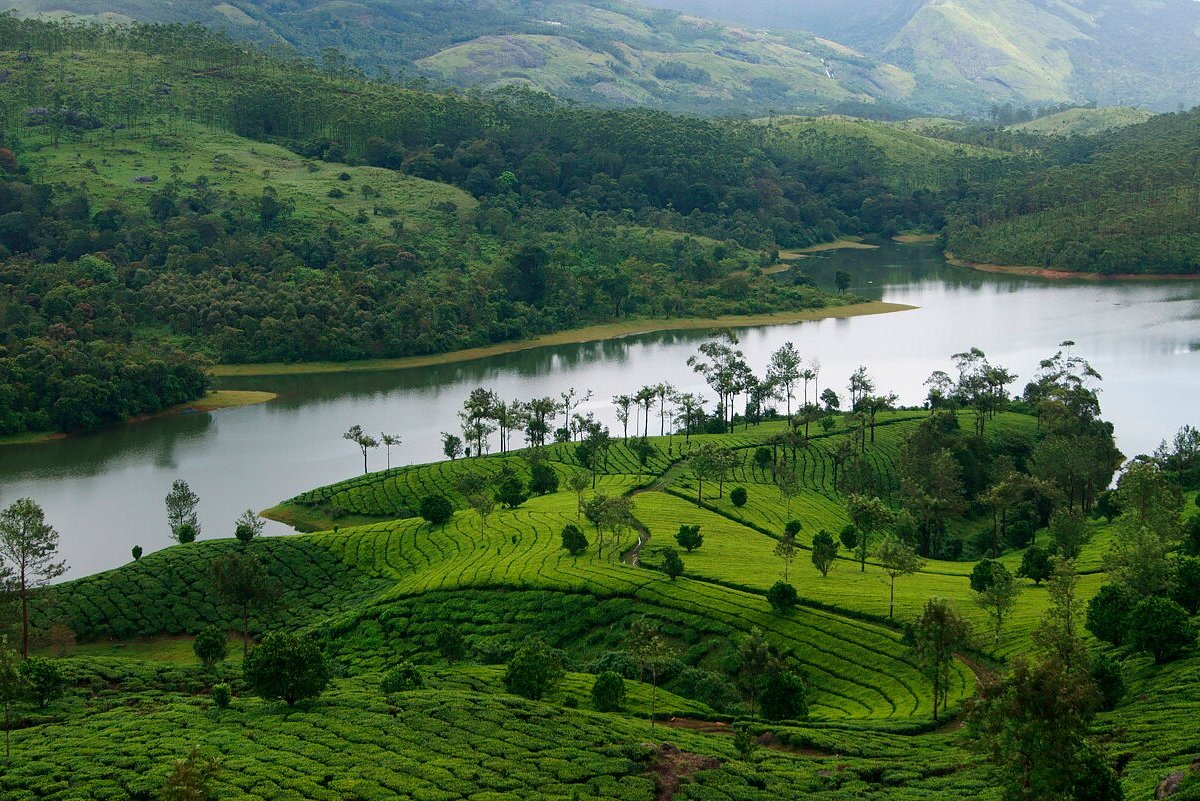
(104, 491)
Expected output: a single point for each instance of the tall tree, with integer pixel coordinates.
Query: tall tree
(997, 596)
(388, 441)
(29, 545)
(241, 581)
(651, 652)
(784, 372)
(570, 400)
(869, 516)
(363, 440)
(663, 391)
(897, 559)
(181, 505)
(938, 633)
(623, 404)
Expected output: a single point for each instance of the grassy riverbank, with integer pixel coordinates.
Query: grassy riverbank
(574, 336)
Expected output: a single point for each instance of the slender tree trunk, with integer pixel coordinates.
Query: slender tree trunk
(892, 599)
(245, 631)
(24, 616)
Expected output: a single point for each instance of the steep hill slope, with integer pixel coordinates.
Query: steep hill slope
(1024, 51)
(605, 52)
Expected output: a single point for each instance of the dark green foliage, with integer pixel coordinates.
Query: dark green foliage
(784, 696)
(608, 692)
(824, 551)
(574, 540)
(983, 574)
(191, 779)
(136, 552)
(1191, 535)
(403, 678)
(1161, 628)
(511, 492)
(782, 597)
(436, 509)
(211, 645)
(1109, 679)
(1108, 505)
(222, 695)
(1035, 565)
(1108, 613)
(451, 644)
(849, 538)
(286, 667)
(672, 563)
(542, 479)
(534, 671)
(44, 678)
(738, 496)
(689, 537)
(792, 528)
(1187, 584)
(186, 534)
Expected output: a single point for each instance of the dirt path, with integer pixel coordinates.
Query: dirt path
(982, 673)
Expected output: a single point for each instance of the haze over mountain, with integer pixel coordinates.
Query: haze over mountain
(1115, 52)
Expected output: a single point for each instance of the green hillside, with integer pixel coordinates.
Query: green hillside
(1085, 121)
(1121, 202)
(976, 53)
(607, 52)
(383, 585)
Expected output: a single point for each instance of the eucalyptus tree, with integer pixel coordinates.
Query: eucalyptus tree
(28, 547)
(569, 401)
(723, 366)
(181, 505)
(452, 445)
(784, 371)
(623, 403)
(477, 412)
(898, 559)
(664, 392)
(869, 516)
(646, 398)
(860, 385)
(363, 440)
(690, 407)
(388, 441)
(539, 412)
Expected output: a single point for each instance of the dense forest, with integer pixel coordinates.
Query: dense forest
(562, 215)
(1124, 202)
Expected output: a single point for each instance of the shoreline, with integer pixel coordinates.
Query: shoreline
(213, 401)
(574, 336)
(1063, 275)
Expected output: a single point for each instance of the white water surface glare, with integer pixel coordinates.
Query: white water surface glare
(104, 491)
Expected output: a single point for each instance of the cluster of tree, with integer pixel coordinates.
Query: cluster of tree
(1124, 202)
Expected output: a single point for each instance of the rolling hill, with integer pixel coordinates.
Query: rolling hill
(978, 52)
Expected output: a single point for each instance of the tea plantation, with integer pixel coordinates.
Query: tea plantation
(382, 586)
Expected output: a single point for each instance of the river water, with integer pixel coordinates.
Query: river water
(104, 491)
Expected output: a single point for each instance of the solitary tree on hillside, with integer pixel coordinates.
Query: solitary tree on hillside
(363, 440)
(897, 559)
(623, 403)
(248, 526)
(388, 441)
(939, 632)
(784, 372)
(241, 581)
(785, 549)
(787, 482)
(998, 596)
(651, 651)
(181, 505)
(452, 446)
(869, 516)
(824, 551)
(286, 667)
(28, 546)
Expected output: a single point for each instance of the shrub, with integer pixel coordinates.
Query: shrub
(1187, 584)
(401, 679)
(534, 671)
(608, 692)
(450, 644)
(45, 679)
(136, 552)
(672, 563)
(739, 496)
(784, 696)
(286, 667)
(542, 479)
(511, 492)
(1108, 613)
(221, 695)
(335, 193)
(782, 597)
(689, 537)
(824, 551)
(849, 538)
(186, 533)
(191, 779)
(1160, 627)
(1109, 680)
(792, 528)
(1035, 565)
(436, 509)
(211, 646)
(574, 540)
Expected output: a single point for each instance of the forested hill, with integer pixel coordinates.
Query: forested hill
(600, 52)
(169, 195)
(1126, 202)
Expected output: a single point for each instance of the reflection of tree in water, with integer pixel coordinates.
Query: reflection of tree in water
(159, 441)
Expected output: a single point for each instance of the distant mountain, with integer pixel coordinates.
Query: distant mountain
(1115, 52)
(605, 52)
